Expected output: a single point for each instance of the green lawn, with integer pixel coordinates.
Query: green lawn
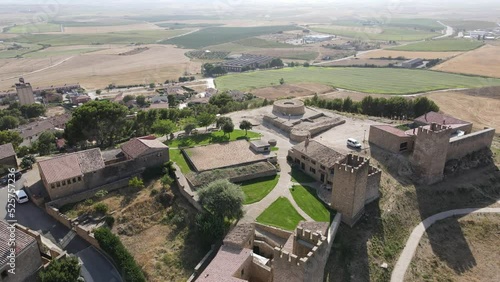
(126, 37)
(35, 28)
(273, 149)
(177, 157)
(218, 35)
(308, 201)
(208, 138)
(441, 45)
(281, 214)
(388, 33)
(369, 80)
(301, 177)
(256, 189)
(26, 49)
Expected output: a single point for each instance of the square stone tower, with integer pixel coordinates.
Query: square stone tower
(24, 93)
(349, 187)
(429, 154)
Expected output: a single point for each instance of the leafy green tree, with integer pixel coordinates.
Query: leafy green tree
(276, 62)
(28, 161)
(210, 227)
(222, 120)
(172, 102)
(144, 122)
(46, 143)
(22, 151)
(33, 110)
(141, 100)
(98, 91)
(223, 199)
(152, 85)
(228, 127)
(423, 105)
(282, 81)
(128, 98)
(62, 270)
(189, 127)
(205, 119)
(8, 122)
(136, 182)
(245, 125)
(306, 64)
(221, 99)
(8, 136)
(164, 127)
(102, 121)
(346, 107)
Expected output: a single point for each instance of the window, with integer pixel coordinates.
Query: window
(74, 180)
(312, 170)
(158, 155)
(242, 272)
(52, 186)
(58, 184)
(303, 157)
(63, 182)
(322, 167)
(313, 162)
(79, 178)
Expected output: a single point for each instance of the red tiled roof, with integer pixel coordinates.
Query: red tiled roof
(6, 150)
(71, 165)
(139, 146)
(319, 152)
(438, 118)
(23, 240)
(224, 265)
(391, 129)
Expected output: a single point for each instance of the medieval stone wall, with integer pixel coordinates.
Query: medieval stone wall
(461, 146)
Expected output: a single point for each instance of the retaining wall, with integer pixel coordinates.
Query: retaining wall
(461, 146)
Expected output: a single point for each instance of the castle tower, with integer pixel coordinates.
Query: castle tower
(349, 187)
(429, 153)
(24, 92)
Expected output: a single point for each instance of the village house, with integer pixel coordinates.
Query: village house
(31, 131)
(7, 158)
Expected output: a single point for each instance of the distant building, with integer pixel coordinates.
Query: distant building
(413, 63)
(79, 99)
(246, 61)
(317, 38)
(260, 146)
(25, 92)
(56, 88)
(7, 158)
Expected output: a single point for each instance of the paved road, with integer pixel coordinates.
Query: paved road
(96, 268)
(448, 32)
(406, 256)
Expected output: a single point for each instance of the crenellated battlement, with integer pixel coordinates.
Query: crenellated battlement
(280, 256)
(309, 236)
(373, 171)
(435, 129)
(351, 163)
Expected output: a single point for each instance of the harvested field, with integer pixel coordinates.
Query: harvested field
(441, 45)
(458, 249)
(362, 62)
(291, 90)
(483, 61)
(111, 28)
(293, 54)
(481, 111)
(408, 54)
(96, 70)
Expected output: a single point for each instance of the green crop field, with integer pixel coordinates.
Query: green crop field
(369, 80)
(141, 36)
(34, 28)
(218, 35)
(94, 22)
(389, 33)
(23, 49)
(422, 24)
(185, 25)
(441, 45)
(261, 43)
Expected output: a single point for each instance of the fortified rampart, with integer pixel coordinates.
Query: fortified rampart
(460, 147)
(373, 184)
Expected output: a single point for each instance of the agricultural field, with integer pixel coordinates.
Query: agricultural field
(90, 22)
(469, 24)
(176, 25)
(34, 28)
(370, 80)
(218, 35)
(482, 111)
(291, 90)
(17, 50)
(62, 51)
(262, 43)
(126, 37)
(407, 54)
(375, 33)
(96, 70)
(483, 61)
(363, 62)
(441, 45)
(111, 28)
(418, 23)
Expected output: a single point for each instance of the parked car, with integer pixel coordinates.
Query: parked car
(21, 196)
(17, 175)
(351, 142)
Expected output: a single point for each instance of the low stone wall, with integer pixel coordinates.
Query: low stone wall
(247, 177)
(185, 188)
(460, 147)
(203, 263)
(54, 212)
(87, 235)
(274, 230)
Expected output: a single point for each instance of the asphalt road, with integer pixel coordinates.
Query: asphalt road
(96, 268)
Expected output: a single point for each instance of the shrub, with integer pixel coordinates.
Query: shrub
(110, 220)
(136, 182)
(63, 270)
(101, 208)
(101, 193)
(166, 180)
(89, 202)
(112, 245)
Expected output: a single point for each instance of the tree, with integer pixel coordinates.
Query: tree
(8, 136)
(245, 125)
(306, 64)
(28, 161)
(205, 119)
(171, 101)
(33, 110)
(46, 143)
(222, 199)
(101, 121)
(127, 98)
(276, 62)
(152, 85)
(136, 182)
(189, 127)
(228, 127)
(141, 100)
(163, 127)
(221, 121)
(61, 270)
(8, 122)
(98, 91)
(221, 99)
(423, 105)
(22, 151)
(282, 81)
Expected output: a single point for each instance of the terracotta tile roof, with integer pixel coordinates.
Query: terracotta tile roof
(319, 152)
(391, 129)
(71, 165)
(142, 145)
(224, 265)
(23, 240)
(37, 127)
(6, 150)
(438, 118)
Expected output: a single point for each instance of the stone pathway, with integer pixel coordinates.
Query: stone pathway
(406, 256)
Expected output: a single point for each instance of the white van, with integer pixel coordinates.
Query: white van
(351, 142)
(21, 196)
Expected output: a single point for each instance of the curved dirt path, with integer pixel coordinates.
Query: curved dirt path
(406, 256)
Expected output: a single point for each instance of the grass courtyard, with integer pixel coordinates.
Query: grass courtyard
(177, 157)
(210, 138)
(300, 177)
(368, 80)
(280, 214)
(309, 202)
(256, 189)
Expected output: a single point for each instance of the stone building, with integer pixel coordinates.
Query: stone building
(31, 131)
(7, 158)
(27, 259)
(73, 173)
(25, 93)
